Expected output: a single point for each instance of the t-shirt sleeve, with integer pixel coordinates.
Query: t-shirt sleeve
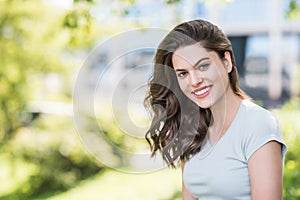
(263, 128)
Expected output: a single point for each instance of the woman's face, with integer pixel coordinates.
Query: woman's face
(202, 75)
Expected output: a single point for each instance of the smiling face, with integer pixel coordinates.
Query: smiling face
(202, 75)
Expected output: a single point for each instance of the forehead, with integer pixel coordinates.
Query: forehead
(189, 54)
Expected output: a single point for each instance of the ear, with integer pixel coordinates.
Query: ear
(227, 61)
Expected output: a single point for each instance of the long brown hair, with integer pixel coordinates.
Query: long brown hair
(179, 126)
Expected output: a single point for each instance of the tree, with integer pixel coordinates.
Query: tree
(34, 41)
(33, 38)
(293, 10)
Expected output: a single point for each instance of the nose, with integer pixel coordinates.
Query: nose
(196, 78)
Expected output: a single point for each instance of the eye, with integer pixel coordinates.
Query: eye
(203, 67)
(181, 74)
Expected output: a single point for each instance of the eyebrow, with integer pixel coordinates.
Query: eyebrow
(197, 63)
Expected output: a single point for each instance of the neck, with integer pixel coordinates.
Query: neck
(223, 113)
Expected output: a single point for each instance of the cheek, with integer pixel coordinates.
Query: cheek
(184, 86)
(218, 74)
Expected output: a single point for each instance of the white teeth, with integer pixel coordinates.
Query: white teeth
(200, 92)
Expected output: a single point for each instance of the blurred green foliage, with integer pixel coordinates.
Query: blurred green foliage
(59, 160)
(293, 10)
(32, 40)
(39, 151)
(288, 117)
(36, 40)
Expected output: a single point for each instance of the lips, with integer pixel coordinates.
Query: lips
(202, 92)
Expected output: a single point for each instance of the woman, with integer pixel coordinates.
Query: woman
(228, 147)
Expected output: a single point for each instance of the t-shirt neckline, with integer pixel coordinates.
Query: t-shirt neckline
(207, 144)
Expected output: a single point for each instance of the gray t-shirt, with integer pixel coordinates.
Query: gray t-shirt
(221, 172)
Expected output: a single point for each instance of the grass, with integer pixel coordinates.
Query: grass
(114, 185)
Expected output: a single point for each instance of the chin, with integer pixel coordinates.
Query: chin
(204, 106)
